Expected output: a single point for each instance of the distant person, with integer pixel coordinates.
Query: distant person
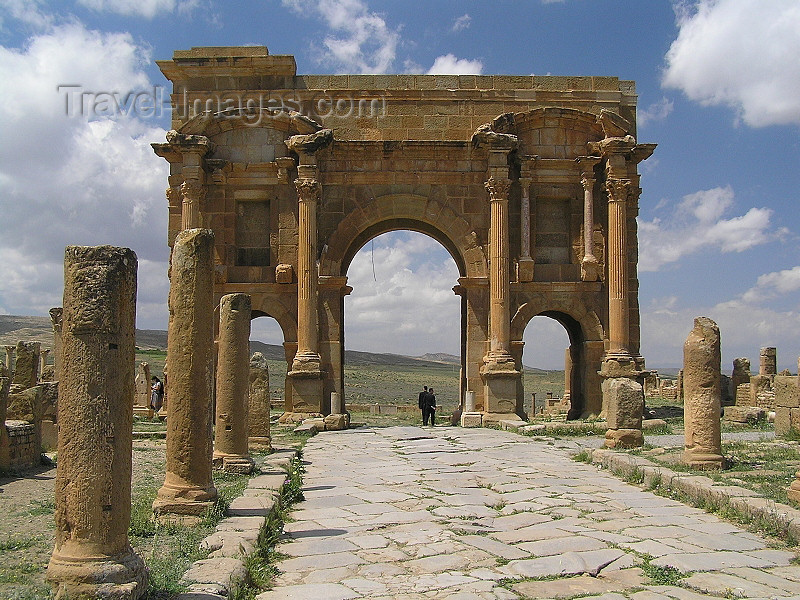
(430, 408)
(422, 396)
(156, 394)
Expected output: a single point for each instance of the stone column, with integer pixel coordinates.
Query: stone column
(192, 194)
(568, 366)
(233, 371)
(768, 361)
(26, 368)
(618, 323)
(5, 449)
(10, 359)
(92, 556)
(55, 318)
(702, 396)
(188, 489)
(142, 395)
(525, 265)
(306, 372)
(590, 266)
(259, 412)
(43, 354)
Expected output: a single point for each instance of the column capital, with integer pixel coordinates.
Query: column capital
(191, 190)
(173, 196)
(525, 183)
(308, 189)
(587, 180)
(498, 188)
(618, 189)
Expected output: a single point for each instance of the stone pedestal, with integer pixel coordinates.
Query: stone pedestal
(141, 404)
(258, 418)
(231, 451)
(500, 392)
(623, 399)
(188, 489)
(469, 416)
(92, 556)
(702, 397)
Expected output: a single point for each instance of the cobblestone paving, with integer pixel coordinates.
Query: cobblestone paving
(410, 512)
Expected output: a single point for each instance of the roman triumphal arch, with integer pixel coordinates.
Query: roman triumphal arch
(530, 183)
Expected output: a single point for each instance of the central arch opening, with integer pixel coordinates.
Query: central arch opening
(403, 325)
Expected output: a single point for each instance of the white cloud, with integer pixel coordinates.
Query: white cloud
(140, 8)
(361, 41)
(741, 54)
(697, 223)
(448, 64)
(408, 305)
(771, 285)
(657, 111)
(461, 23)
(77, 179)
(26, 11)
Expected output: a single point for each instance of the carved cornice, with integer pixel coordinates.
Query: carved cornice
(497, 188)
(308, 190)
(618, 189)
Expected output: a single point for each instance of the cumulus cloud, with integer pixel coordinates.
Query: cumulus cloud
(77, 178)
(461, 23)
(657, 111)
(741, 54)
(772, 285)
(698, 223)
(140, 8)
(360, 42)
(448, 64)
(402, 291)
(26, 11)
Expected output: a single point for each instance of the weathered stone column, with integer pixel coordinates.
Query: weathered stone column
(43, 354)
(92, 556)
(768, 361)
(26, 368)
(55, 318)
(10, 359)
(590, 266)
(702, 396)
(258, 417)
(568, 366)
(525, 264)
(618, 324)
(233, 373)
(5, 449)
(188, 489)
(306, 372)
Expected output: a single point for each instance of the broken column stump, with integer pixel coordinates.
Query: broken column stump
(702, 397)
(188, 490)
(258, 417)
(92, 556)
(233, 370)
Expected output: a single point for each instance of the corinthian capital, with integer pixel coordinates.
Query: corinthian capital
(173, 196)
(192, 190)
(618, 189)
(497, 188)
(587, 181)
(308, 190)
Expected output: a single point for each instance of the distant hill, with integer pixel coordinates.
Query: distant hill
(14, 328)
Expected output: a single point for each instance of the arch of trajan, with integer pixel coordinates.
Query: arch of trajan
(529, 182)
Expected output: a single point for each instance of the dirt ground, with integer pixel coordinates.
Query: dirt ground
(27, 521)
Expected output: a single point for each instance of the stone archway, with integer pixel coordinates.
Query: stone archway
(586, 349)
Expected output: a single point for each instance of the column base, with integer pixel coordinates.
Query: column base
(500, 378)
(233, 463)
(619, 364)
(471, 419)
(306, 383)
(624, 438)
(260, 442)
(297, 417)
(337, 422)
(703, 461)
(185, 505)
(121, 577)
(590, 269)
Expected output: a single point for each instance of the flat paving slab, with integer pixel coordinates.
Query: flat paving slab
(411, 512)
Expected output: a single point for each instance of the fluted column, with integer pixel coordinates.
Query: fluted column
(308, 192)
(589, 265)
(618, 325)
(192, 193)
(499, 282)
(525, 218)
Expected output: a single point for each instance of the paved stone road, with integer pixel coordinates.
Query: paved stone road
(407, 512)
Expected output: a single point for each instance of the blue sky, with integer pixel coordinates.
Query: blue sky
(719, 92)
